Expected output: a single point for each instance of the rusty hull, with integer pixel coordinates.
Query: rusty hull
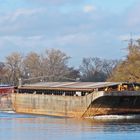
(96, 103)
(54, 105)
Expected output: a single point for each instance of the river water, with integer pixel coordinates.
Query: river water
(32, 127)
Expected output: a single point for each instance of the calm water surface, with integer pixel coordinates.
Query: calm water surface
(30, 127)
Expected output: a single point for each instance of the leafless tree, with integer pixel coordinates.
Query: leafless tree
(32, 65)
(96, 69)
(54, 64)
(3, 72)
(14, 67)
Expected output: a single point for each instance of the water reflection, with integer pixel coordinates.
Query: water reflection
(21, 127)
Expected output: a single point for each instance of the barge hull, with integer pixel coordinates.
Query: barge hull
(96, 103)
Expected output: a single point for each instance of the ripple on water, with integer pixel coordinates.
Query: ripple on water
(21, 127)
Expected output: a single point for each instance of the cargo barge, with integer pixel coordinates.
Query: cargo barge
(78, 99)
(6, 89)
(5, 97)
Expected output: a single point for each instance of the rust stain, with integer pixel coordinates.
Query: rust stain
(68, 106)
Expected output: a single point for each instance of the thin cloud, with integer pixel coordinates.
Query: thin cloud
(25, 12)
(18, 21)
(133, 18)
(127, 37)
(57, 2)
(89, 8)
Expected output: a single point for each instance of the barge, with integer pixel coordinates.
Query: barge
(77, 99)
(6, 89)
(5, 97)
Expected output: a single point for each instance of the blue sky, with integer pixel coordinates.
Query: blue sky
(80, 28)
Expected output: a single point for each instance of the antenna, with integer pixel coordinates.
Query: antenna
(131, 40)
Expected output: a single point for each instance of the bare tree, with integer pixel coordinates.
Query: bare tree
(96, 69)
(54, 65)
(14, 67)
(108, 66)
(3, 72)
(32, 65)
(73, 75)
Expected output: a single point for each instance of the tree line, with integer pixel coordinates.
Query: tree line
(128, 69)
(52, 65)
